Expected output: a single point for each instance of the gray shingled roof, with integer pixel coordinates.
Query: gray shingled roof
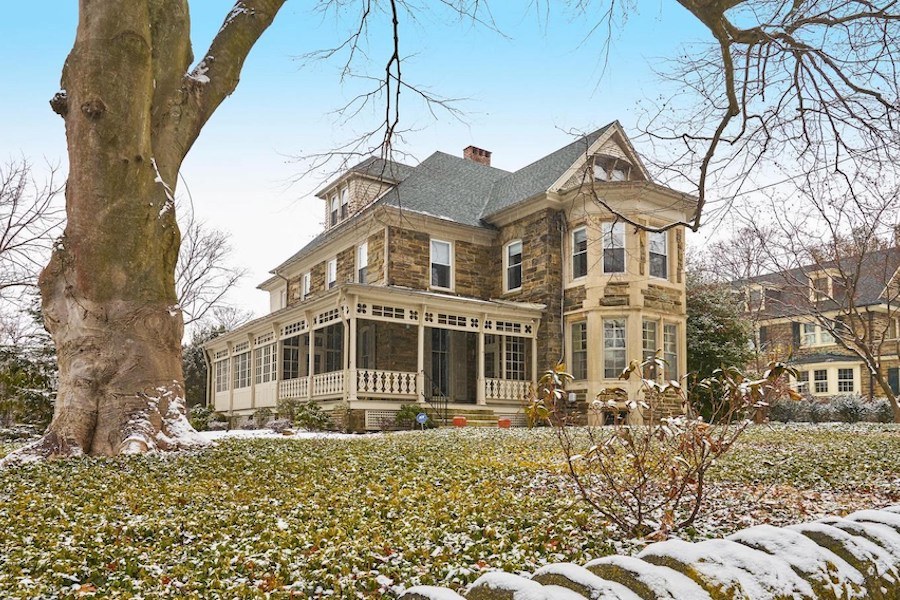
(875, 269)
(386, 169)
(459, 190)
(447, 187)
(539, 175)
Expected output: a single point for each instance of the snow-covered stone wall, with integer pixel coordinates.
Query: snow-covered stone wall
(857, 556)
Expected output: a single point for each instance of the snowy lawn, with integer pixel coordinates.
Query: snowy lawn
(359, 516)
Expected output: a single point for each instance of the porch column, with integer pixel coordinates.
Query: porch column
(311, 356)
(351, 360)
(534, 361)
(252, 370)
(479, 369)
(230, 374)
(420, 356)
(279, 345)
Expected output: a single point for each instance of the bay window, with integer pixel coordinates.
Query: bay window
(579, 253)
(614, 359)
(613, 247)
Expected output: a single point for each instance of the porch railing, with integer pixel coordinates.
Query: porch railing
(505, 389)
(435, 398)
(293, 388)
(328, 384)
(386, 383)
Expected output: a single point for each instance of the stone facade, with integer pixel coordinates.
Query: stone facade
(474, 275)
(375, 273)
(408, 255)
(346, 265)
(542, 275)
(664, 299)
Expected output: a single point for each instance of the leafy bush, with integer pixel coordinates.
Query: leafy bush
(289, 407)
(821, 412)
(406, 417)
(311, 417)
(200, 416)
(849, 408)
(262, 416)
(879, 411)
(649, 480)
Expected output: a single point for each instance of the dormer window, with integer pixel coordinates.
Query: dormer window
(345, 203)
(334, 210)
(820, 287)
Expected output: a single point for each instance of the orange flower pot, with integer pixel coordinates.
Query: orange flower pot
(504, 423)
(459, 421)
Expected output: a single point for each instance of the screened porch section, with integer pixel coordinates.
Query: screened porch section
(368, 349)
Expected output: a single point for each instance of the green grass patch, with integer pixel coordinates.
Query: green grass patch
(350, 517)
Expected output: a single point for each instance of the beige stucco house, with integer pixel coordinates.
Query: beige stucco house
(458, 283)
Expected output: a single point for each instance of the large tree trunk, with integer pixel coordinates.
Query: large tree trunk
(132, 111)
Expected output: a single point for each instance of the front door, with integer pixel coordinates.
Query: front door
(440, 361)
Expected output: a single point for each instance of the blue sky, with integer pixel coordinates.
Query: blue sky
(524, 90)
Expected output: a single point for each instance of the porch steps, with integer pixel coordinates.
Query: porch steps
(475, 417)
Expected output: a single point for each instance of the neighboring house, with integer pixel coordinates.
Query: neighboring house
(797, 312)
(458, 282)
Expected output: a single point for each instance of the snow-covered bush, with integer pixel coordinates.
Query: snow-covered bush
(821, 412)
(279, 425)
(263, 416)
(200, 416)
(311, 417)
(217, 426)
(879, 411)
(850, 408)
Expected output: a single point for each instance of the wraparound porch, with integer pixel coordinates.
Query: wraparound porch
(371, 345)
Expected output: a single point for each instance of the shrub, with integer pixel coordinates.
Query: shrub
(650, 479)
(849, 408)
(200, 416)
(289, 407)
(279, 425)
(262, 416)
(786, 410)
(879, 411)
(311, 417)
(406, 417)
(217, 426)
(821, 412)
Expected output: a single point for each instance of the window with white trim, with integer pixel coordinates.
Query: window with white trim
(241, 370)
(670, 350)
(820, 381)
(659, 254)
(331, 273)
(362, 262)
(290, 357)
(513, 260)
(265, 363)
(820, 287)
(614, 360)
(345, 203)
(579, 252)
(515, 357)
(803, 381)
(815, 335)
(649, 338)
(222, 375)
(307, 286)
(441, 264)
(579, 350)
(614, 247)
(334, 210)
(846, 380)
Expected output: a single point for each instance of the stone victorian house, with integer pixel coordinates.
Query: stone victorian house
(861, 295)
(455, 283)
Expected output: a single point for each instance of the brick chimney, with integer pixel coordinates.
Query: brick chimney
(478, 155)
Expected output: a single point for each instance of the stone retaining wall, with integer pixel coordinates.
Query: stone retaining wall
(857, 556)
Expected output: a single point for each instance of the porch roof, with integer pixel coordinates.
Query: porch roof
(341, 294)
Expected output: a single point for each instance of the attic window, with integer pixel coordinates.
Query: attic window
(609, 168)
